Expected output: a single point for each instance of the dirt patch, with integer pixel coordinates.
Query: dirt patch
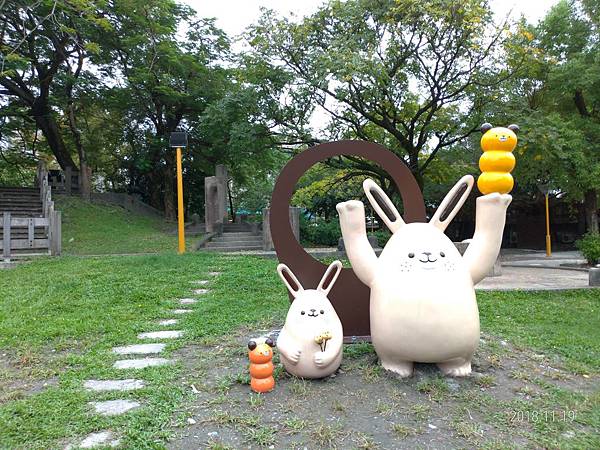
(19, 380)
(362, 406)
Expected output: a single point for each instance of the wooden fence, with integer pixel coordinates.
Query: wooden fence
(30, 235)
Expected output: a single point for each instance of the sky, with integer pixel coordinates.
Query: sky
(233, 16)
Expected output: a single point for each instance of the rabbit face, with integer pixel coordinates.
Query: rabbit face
(419, 247)
(310, 307)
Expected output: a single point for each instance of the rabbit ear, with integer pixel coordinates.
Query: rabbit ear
(329, 277)
(290, 280)
(452, 202)
(382, 204)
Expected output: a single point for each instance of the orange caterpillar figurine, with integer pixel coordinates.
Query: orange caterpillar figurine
(261, 366)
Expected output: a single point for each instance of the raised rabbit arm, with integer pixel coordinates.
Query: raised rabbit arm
(354, 231)
(483, 249)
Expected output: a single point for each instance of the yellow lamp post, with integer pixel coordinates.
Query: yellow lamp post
(178, 140)
(545, 189)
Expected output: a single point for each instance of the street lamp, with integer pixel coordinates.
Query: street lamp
(545, 189)
(178, 139)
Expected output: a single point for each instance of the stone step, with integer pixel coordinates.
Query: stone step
(141, 363)
(201, 291)
(114, 407)
(166, 322)
(227, 238)
(200, 282)
(113, 385)
(234, 249)
(187, 301)
(182, 311)
(139, 349)
(238, 233)
(165, 334)
(226, 244)
(97, 439)
(214, 274)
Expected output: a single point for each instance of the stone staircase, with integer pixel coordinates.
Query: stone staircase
(236, 237)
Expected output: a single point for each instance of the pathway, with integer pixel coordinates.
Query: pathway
(139, 356)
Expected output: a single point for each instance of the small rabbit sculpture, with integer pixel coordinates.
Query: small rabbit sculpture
(310, 343)
(423, 305)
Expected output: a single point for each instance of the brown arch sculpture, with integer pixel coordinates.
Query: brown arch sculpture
(349, 296)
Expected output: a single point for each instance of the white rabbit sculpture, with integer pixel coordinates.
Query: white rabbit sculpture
(423, 306)
(311, 315)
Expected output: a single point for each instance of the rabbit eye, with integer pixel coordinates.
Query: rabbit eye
(442, 254)
(411, 255)
(302, 312)
(322, 312)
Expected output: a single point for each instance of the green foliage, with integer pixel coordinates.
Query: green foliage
(320, 232)
(409, 74)
(589, 245)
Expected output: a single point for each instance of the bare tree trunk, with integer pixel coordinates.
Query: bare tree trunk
(85, 182)
(54, 139)
(230, 201)
(170, 211)
(590, 203)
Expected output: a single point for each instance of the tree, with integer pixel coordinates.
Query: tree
(410, 74)
(39, 43)
(556, 99)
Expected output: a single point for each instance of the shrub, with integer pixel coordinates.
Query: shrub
(320, 233)
(381, 235)
(589, 245)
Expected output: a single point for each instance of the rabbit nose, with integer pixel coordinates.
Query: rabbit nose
(427, 253)
(312, 310)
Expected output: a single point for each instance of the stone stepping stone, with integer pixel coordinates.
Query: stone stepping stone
(200, 291)
(188, 301)
(114, 407)
(139, 349)
(182, 311)
(113, 385)
(201, 282)
(166, 322)
(141, 363)
(214, 274)
(166, 334)
(100, 438)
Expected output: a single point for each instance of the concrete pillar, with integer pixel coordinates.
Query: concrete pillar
(594, 275)
(294, 217)
(215, 200)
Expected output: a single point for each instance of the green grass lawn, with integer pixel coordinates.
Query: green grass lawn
(60, 317)
(101, 228)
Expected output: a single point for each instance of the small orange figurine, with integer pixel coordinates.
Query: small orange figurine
(261, 366)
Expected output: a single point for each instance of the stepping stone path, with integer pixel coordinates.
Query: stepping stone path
(168, 322)
(141, 363)
(114, 407)
(167, 334)
(100, 438)
(113, 385)
(139, 349)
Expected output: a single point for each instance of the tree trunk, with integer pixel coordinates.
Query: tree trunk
(85, 182)
(49, 128)
(170, 211)
(590, 203)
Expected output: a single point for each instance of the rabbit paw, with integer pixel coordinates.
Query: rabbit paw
(320, 359)
(294, 356)
(497, 198)
(352, 213)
